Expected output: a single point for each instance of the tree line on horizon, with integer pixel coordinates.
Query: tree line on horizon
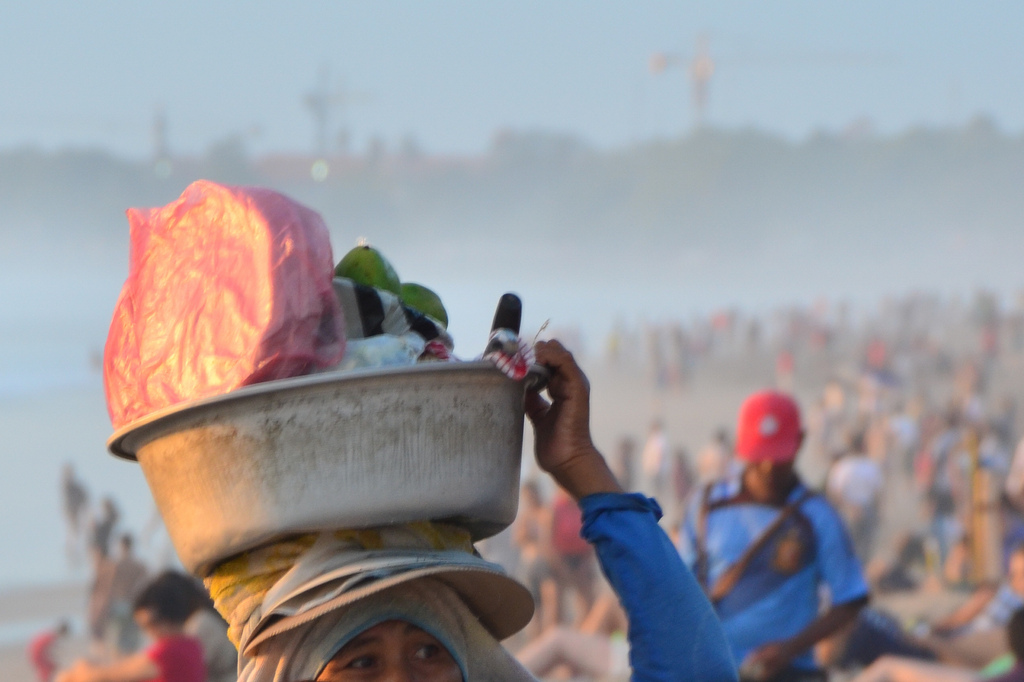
(712, 188)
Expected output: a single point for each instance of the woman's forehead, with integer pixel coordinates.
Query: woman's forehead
(387, 628)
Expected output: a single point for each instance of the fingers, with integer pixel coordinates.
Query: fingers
(553, 354)
(536, 407)
(566, 375)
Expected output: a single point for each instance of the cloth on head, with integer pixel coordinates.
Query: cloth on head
(246, 588)
(270, 596)
(428, 603)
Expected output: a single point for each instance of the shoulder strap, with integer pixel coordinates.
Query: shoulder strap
(702, 536)
(728, 580)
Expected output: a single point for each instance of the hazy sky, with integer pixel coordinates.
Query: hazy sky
(451, 73)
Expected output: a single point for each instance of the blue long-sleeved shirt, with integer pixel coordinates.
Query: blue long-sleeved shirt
(674, 633)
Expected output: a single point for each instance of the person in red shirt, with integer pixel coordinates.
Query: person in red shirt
(40, 651)
(173, 656)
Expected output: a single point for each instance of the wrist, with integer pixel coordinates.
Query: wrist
(585, 474)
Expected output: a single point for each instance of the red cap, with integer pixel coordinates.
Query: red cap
(769, 428)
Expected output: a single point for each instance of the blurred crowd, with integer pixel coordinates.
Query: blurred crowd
(137, 614)
(912, 436)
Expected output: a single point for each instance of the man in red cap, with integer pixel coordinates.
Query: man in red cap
(763, 546)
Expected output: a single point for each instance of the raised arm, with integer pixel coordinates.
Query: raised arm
(673, 631)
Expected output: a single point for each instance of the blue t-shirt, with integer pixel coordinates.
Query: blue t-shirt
(778, 596)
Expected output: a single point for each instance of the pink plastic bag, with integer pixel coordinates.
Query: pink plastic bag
(227, 286)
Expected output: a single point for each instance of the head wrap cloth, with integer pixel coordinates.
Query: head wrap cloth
(292, 605)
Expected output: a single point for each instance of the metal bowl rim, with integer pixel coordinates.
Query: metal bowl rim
(116, 440)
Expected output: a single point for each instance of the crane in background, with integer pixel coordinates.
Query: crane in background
(701, 67)
(322, 102)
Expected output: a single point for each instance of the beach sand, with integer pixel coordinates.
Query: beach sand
(42, 602)
(27, 611)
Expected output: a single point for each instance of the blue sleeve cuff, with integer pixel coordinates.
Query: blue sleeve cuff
(593, 505)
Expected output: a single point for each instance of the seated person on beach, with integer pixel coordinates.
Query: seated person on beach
(970, 637)
(1007, 668)
(206, 625)
(427, 624)
(597, 650)
(41, 650)
(173, 656)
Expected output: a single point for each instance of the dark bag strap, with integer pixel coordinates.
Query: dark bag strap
(728, 580)
(702, 535)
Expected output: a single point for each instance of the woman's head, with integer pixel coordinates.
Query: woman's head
(416, 630)
(419, 630)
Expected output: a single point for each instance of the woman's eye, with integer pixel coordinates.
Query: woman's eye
(427, 651)
(361, 662)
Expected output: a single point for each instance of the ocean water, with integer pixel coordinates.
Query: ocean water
(57, 300)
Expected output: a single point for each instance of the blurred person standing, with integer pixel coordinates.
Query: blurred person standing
(1014, 485)
(854, 485)
(829, 423)
(654, 460)
(531, 533)
(75, 503)
(785, 370)
(904, 427)
(715, 460)
(993, 455)
(129, 577)
(680, 485)
(940, 483)
(987, 470)
(656, 352)
(573, 559)
(116, 588)
(97, 612)
(763, 545)
(102, 528)
(683, 479)
(624, 464)
(679, 343)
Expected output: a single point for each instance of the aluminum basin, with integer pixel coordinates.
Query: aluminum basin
(437, 441)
